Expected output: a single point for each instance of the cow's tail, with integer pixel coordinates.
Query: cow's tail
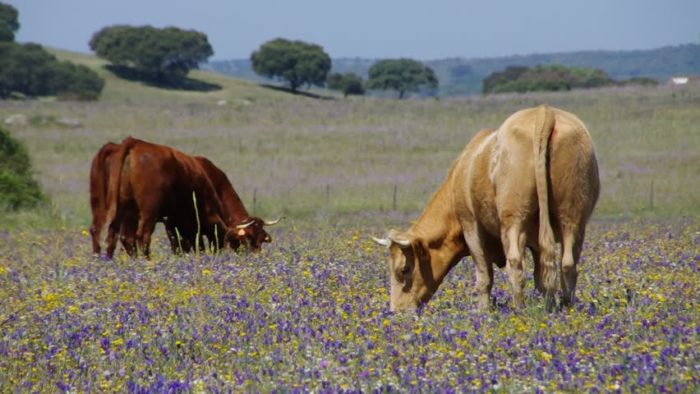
(543, 131)
(115, 172)
(98, 192)
(98, 173)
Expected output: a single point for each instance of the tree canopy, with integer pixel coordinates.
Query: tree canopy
(401, 75)
(9, 23)
(295, 62)
(28, 69)
(348, 83)
(159, 54)
(18, 189)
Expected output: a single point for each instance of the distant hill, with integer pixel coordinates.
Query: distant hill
(459, 76)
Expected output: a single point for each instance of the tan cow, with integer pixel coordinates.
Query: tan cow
(539, 167)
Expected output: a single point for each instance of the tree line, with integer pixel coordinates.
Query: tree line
(165, 56)
(300, 63)
(554, 77)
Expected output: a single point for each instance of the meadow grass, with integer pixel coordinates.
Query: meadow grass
(311, 312)
(345, 156)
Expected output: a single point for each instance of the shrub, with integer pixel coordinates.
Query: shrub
(18, 188)
(28, 69)
(349, 83)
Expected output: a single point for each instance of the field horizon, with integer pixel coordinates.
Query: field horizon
(306, 158)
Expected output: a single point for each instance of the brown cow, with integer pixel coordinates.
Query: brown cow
(181, 234)
(532, 182)
(149, 183)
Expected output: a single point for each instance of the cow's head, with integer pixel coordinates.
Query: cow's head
(407, 262)
(250, 232)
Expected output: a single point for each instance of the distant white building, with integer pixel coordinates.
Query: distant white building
(684, 80)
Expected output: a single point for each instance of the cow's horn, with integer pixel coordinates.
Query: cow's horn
(402, 242)
(244, 225)
(399, 239)
(271, 222)
(386, 242)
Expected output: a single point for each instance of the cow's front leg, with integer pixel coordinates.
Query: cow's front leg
(483, 268)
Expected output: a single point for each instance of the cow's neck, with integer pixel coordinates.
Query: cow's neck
(234, 208)
(440, 235)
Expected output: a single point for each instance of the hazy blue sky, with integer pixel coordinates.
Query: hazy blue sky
(424, 30)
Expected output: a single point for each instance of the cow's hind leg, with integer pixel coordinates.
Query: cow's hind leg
(537, 269)
(98, 222)
(147, 225)
(572, 243)
(513, 239)
(112, 235)
(545, 273)
(128, 234)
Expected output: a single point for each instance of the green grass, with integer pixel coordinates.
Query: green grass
(311, 159)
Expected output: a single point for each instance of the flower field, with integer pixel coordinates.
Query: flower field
(310, 313)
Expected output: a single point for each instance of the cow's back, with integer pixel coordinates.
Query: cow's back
(151, 173)
(473, 190)
(571, 164)
(573, 170)
(499, 172)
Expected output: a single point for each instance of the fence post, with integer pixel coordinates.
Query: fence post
(393, 199)
(255, 201)
(651, 195)
(328, 194)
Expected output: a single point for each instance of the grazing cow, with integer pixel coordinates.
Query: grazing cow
(150, 183)
(99, 179)
(531, 183)
(98, 194)
(249, 229)
(181, 234)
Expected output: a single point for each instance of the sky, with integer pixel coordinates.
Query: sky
(423, 30)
